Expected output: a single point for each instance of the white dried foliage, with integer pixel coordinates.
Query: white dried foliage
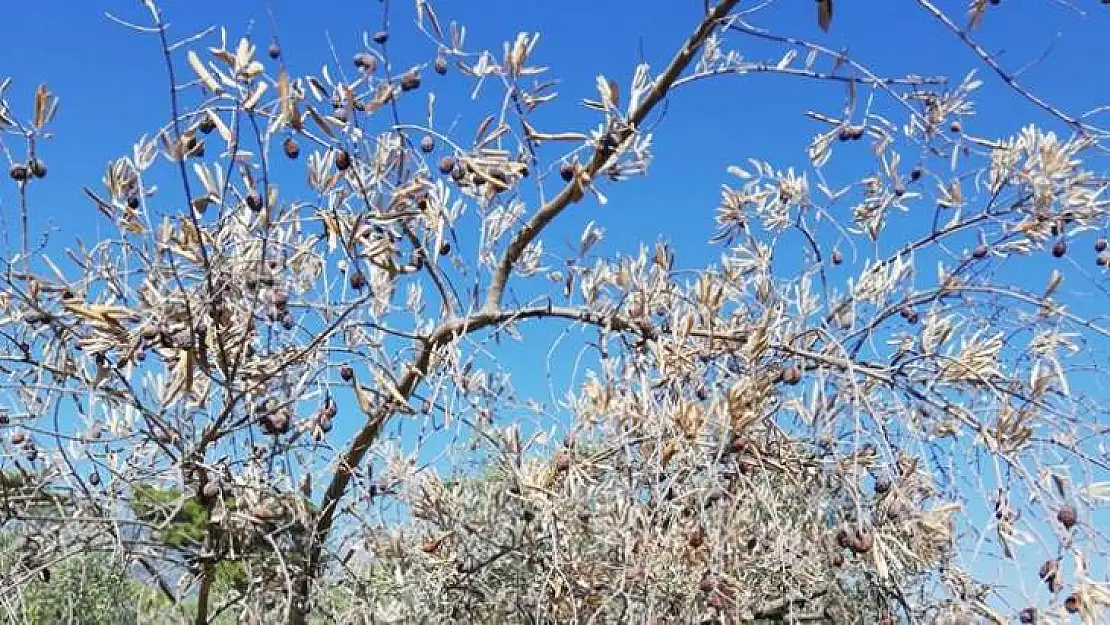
(298, 398)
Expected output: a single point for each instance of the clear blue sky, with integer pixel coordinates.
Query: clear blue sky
(112, 87)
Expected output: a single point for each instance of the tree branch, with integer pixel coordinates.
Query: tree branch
(572, 190)
(446, 333)
(1006, 76)
(490, 315)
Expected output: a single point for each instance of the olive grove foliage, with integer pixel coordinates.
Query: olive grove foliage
(274, 397)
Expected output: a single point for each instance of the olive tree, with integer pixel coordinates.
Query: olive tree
(274, 394)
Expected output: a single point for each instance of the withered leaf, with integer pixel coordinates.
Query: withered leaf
(202, 73)
(824, 14)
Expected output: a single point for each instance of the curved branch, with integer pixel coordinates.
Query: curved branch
(446, 334)
(1007, 77)
(572, 191)
(491, 314)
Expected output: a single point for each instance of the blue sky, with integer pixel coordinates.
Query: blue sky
(113, 88)
(112, 82)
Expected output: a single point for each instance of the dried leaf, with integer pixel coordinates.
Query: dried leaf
(255, 96)
(824, 14)
(45, 106)
(202, 73)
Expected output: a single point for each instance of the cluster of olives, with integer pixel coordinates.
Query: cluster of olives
(22, 172)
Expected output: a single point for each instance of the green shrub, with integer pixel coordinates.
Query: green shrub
(84, 590)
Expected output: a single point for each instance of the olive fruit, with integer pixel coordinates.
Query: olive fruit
(562, 461)
(291, 148)
(342, 159)
(707, 584)
(792, 375)
(446, 165)
(254, 201)
(738, 445)
(696, 537)
(38, 168)
(1071, 604)
(410, 81)
(366, 62)
(566, 171)
(276, 422)
(1067, 517)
